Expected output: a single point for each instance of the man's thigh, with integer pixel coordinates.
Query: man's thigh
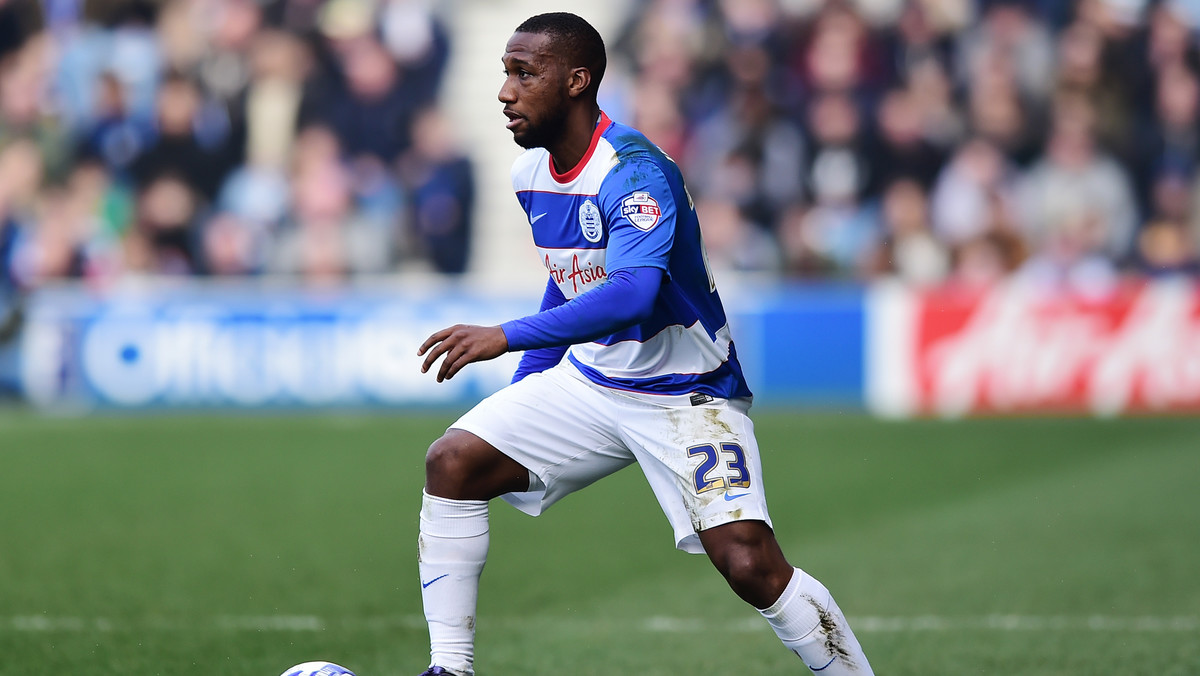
(562, 430)
(702, 463)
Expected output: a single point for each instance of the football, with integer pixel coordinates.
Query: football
(317, 669)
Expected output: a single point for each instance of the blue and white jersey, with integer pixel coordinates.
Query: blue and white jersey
(625, 206)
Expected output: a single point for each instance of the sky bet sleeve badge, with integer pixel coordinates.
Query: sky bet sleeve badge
(641, 209)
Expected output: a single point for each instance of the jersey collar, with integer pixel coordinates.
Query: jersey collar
(574, 172)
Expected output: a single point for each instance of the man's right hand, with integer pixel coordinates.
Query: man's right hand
(462, 344)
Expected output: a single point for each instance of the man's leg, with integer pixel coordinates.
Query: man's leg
(462, 473)
(797, 606)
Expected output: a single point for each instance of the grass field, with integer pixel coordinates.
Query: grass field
(243, 545)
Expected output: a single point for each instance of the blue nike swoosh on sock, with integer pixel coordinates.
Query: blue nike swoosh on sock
(730, 496)
(426, 584)
(831, 659)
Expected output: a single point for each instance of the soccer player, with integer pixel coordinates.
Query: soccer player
(629, 360)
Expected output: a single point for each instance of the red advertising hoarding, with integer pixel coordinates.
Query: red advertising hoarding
(1018, 349)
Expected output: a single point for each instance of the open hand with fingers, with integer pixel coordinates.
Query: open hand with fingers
(462, 344)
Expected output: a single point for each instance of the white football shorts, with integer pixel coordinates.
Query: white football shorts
(701, 461)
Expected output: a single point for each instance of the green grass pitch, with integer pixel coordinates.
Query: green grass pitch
(243, 545)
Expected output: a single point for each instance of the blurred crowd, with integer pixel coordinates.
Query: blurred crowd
(932, 141)
(935, 141)
(225, 138)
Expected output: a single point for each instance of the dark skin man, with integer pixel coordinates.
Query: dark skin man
(629, 360)
(547, 105)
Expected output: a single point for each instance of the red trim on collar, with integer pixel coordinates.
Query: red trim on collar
(601, 127)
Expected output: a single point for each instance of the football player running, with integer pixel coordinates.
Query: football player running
(629, 360)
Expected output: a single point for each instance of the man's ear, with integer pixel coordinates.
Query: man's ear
(580, 80)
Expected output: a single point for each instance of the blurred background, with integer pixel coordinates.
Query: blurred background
(912, 206)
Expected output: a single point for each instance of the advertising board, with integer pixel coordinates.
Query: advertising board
(231, 346)
(1018, 349)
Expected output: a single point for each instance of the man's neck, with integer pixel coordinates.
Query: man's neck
(575, 139)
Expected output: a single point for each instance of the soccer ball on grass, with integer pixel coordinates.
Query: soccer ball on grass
(317, 669)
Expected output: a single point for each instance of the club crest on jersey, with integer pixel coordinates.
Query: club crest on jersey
(589, 221)
(641, 209)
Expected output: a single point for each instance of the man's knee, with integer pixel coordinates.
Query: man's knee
(448, 457)
(461, 466)
(749, 557)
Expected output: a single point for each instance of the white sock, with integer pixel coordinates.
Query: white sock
(452, 549)
(810, 624)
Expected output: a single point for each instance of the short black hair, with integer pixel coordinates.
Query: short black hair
(574, 38)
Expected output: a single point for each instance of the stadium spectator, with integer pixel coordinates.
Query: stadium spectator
(976, 182)
(323, 240)
(254, 198)
(733, 242)
(1082, 71)
(223, 68)
(1077, 200)
(162, 240)
(676, 47)
(416, 38)
(986, 260)
(1169, 145)
(659, 113)
(111, 133)
(1009, 37)
(118, 39)
(903, 151)
(180, 147)
(104, 210)
(1171, 39)
(918, 36)
(231, 246)
(24, 114)
(20, 175)
(1166, 248)
(908, 249)
(17, 22)
(997, 112)
(51, 248)
(750, 154)
(364, 94)
(837, 227)
(943, 122)
(837, 54)
(441, 187)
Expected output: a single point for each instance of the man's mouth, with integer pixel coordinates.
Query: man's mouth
(513, 119)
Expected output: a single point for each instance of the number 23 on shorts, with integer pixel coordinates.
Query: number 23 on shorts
(708, 477)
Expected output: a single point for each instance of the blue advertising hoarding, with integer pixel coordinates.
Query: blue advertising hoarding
(258, 347)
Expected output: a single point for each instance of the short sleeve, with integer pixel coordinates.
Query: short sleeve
(639, 210)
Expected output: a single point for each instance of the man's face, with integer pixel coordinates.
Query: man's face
(534, 93)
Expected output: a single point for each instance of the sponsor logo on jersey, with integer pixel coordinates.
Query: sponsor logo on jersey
(641, 209)
(576, 275)
(589, 221)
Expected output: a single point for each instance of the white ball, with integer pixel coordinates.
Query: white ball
(317, 669)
